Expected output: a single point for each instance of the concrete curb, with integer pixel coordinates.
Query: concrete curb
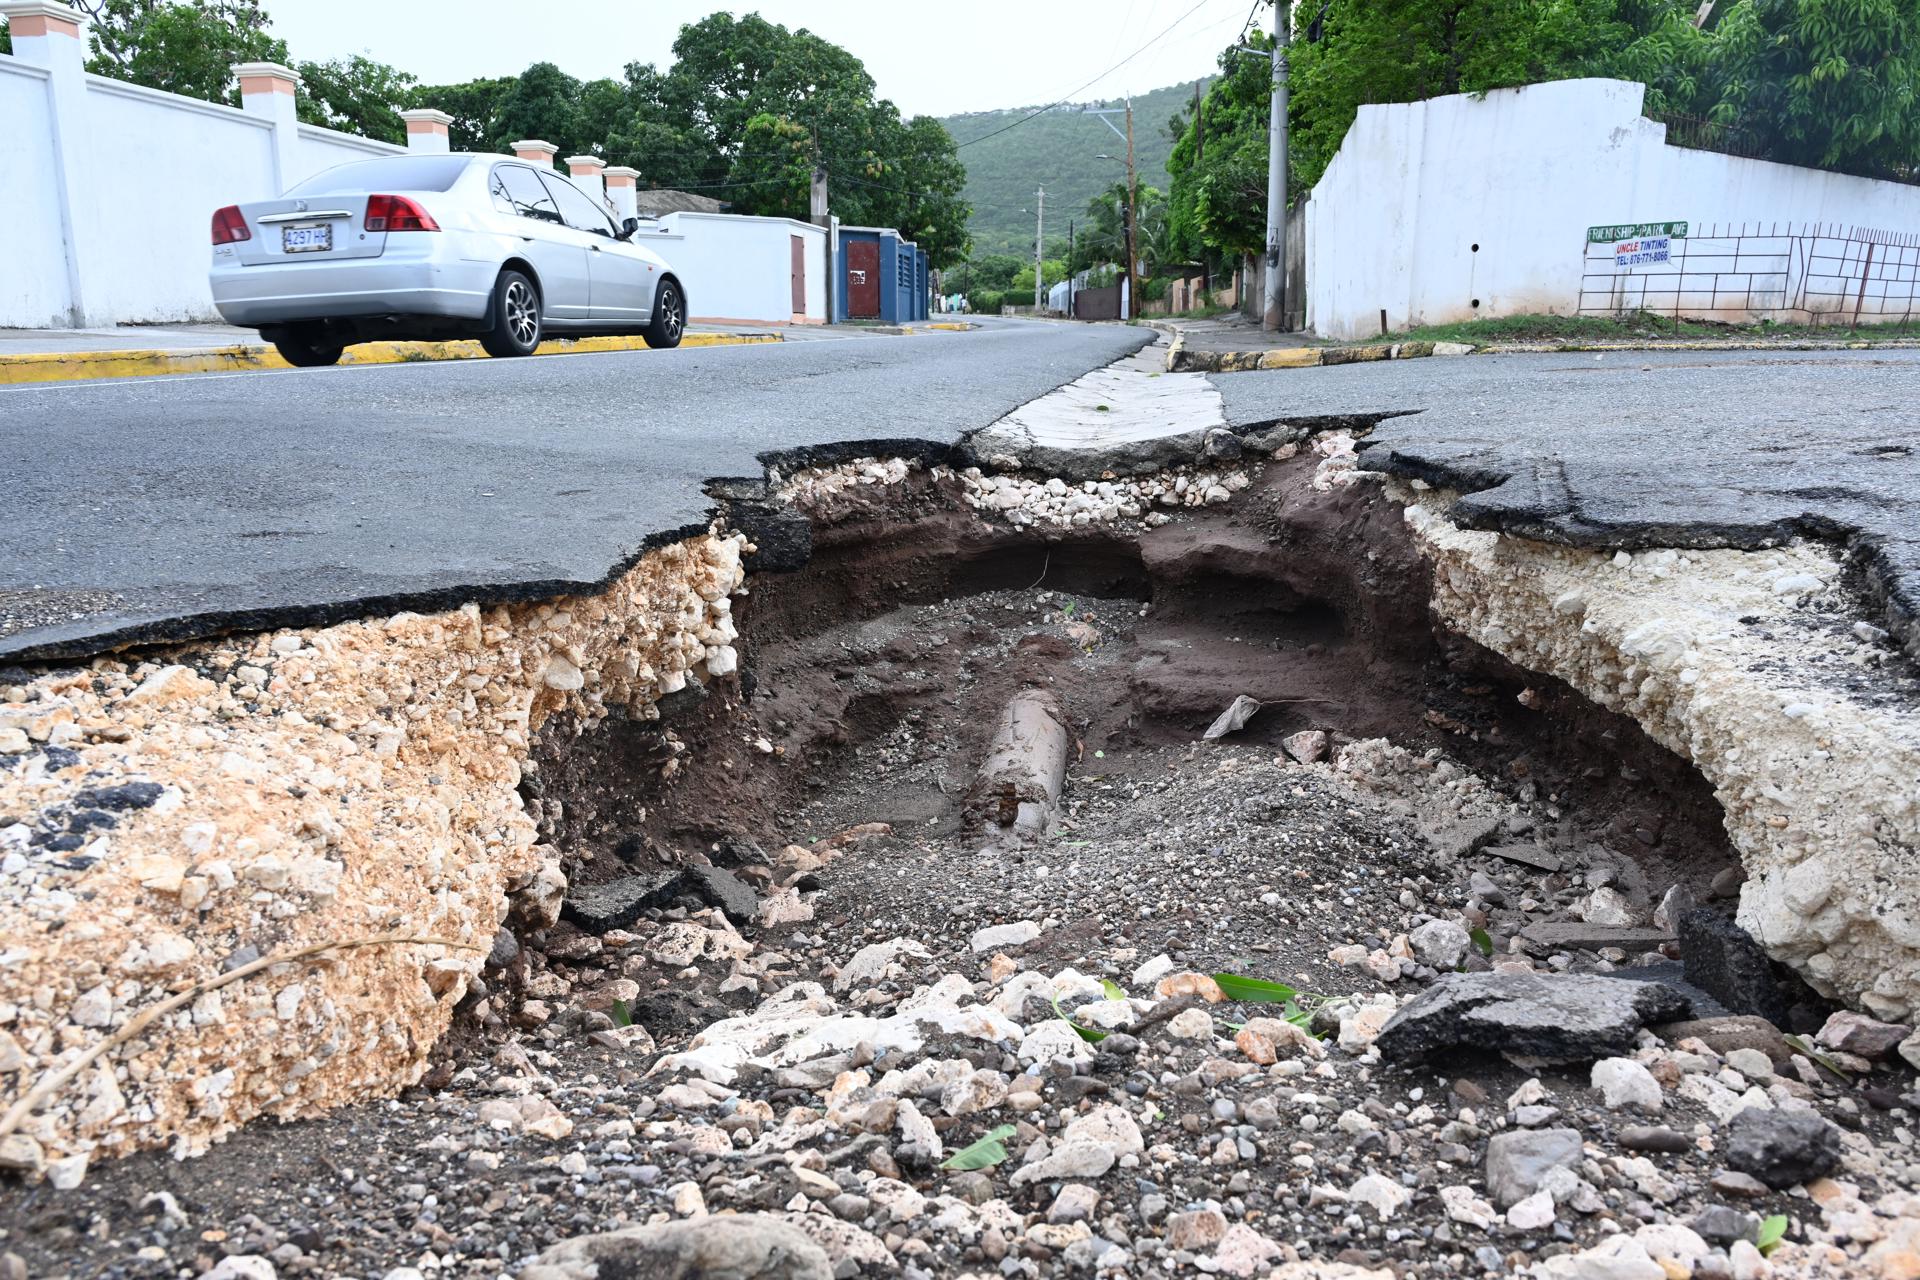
(1180, 360)
(68, 366)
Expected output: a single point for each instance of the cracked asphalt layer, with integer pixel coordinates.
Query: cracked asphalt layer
(1647, 449)
(170, 508)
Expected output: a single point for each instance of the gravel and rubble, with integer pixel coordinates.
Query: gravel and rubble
(807, 1124)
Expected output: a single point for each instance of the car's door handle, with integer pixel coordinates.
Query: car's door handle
(525, 236)
(596, 248)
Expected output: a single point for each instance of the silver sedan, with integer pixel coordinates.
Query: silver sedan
(420, 247)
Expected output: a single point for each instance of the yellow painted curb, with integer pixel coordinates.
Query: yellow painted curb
(68, 366)
(949, 325)
(1290, 358)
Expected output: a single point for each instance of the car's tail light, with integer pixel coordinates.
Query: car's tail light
(229, 226)
(397, 213)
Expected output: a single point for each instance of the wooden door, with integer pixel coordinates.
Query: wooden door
(799, 275)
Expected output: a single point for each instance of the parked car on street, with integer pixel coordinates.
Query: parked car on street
(414, 247)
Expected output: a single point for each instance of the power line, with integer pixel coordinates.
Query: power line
(1089, 84)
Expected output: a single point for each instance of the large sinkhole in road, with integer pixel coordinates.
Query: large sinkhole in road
(876, 677)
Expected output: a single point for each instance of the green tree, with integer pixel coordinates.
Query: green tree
(774, 172)
(544, 103)
(474, 106)
(1406, 50)
(1219, 165)
(749, 108)
(6, 39)
(188, 48)
(995, 271)
(357, 95)
(1828, 83)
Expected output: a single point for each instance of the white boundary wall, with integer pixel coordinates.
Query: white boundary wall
(110, 187)
(739, 268)
(1522, 174)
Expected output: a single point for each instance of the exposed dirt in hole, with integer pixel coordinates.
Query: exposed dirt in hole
(915, 620)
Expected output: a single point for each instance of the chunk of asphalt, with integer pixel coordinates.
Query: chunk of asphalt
(718, 887)
(1565, 1017)
(1529, 855)
(616, 904)
(1781, 1148)
(1462, 837)
(1668, 973)
(1724, 960)
(1575, 935)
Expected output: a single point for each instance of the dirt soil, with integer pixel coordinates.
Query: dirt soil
(832, 776)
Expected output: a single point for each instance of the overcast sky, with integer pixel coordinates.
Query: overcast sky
(930, 58)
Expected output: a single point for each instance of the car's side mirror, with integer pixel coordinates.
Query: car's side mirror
(628, 226)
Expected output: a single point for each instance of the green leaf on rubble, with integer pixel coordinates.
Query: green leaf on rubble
(1772, 1231)
(1112, 989)
(1254, 990)
(984, 1154)
(1482, 941)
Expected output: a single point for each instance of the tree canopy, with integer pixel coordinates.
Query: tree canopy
(746, 112)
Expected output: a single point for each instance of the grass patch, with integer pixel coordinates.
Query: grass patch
(1640, 327)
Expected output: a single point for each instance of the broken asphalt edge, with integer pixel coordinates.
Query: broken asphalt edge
(77, 366)
(1182, 360)
(744, 500)
(1476, 507)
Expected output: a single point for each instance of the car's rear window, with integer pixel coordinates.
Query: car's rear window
(389, 173)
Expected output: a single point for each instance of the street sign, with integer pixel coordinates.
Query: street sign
(1636, 231)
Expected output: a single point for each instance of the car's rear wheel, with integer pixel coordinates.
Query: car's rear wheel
(516, 317)
(669, 316)
(307, 353)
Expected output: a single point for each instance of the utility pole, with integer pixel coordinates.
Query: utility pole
(1274, 315)
(1039, 244)
(1133, 186)
(817, 214)
(1070, 247)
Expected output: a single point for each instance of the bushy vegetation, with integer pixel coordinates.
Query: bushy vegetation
(1828, 83)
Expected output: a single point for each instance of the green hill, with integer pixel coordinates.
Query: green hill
(1058, 150)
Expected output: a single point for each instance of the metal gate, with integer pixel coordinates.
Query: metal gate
(1819, 273)
(1097, 304)
(863, 279)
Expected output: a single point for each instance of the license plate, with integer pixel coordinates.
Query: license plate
(306, 239)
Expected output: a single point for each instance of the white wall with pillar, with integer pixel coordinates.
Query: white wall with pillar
(623, 191)
(109, 186)
(428, 130)
(535, 152)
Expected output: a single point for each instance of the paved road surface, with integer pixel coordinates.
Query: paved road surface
(162, 507)
(1640, 449)
(169, 507)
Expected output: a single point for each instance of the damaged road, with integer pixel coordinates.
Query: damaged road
(888, 913)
